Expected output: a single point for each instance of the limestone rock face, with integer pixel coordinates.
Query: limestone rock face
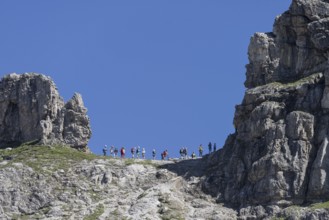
(101, 189)
(279, 152)
(31, 110)
(53, 182)
(76, 131)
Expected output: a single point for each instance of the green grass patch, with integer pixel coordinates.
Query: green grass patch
(38, 157)
(95, 196)
(98, 212)
(142, 162)
(20, 217)
(172, 217)
(321, 205)
(114, 215)
(129, 162)
(48, 159)
(299, 82)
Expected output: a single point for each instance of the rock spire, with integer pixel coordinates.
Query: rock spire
(31, 110)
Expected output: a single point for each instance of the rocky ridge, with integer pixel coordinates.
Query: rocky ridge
(278, 155)
(44, 182)
(31, 110)
(61, 183)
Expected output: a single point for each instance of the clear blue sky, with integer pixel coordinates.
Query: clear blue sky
(155, 73)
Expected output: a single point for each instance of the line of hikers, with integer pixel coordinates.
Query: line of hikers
(113, 151)
(184, 153)
(137, 152)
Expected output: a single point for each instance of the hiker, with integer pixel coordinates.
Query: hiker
(215, 147)
(164, 155)
(137, 152)
(209, 146)
(143, 153)
(186, 157)
(104, 150)
(132, 152)
(115, 152)
(181, 153)
(184, 152)
(153, 154)
(193, 155)
(123, 152)
(112, 151)
(200, 150)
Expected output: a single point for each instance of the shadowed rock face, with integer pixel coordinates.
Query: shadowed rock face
(279, 152)
(32, 110)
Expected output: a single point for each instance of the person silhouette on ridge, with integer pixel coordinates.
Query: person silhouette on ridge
(104, 150)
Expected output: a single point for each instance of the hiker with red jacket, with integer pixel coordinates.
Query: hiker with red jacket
(164, 155)
(123, 152)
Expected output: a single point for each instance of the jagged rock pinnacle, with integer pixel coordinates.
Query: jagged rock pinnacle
(31, 110)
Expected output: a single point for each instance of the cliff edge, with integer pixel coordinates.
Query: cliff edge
(279, 154)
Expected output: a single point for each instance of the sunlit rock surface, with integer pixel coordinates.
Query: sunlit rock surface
(279, 152)
(31, 110)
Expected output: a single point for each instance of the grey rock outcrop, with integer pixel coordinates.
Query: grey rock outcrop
(53, 182)
(101, 188)
(31, 110)
(279, 152)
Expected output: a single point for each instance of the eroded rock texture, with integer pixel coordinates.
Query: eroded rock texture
(279, 152)
(31, 110)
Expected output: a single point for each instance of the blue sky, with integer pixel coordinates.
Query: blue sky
(159, 74)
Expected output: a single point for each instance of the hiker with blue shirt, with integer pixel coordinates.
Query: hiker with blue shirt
(132, 152)
(104, 150)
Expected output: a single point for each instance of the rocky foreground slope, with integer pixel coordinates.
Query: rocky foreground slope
(43, 182)
(279, 154)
